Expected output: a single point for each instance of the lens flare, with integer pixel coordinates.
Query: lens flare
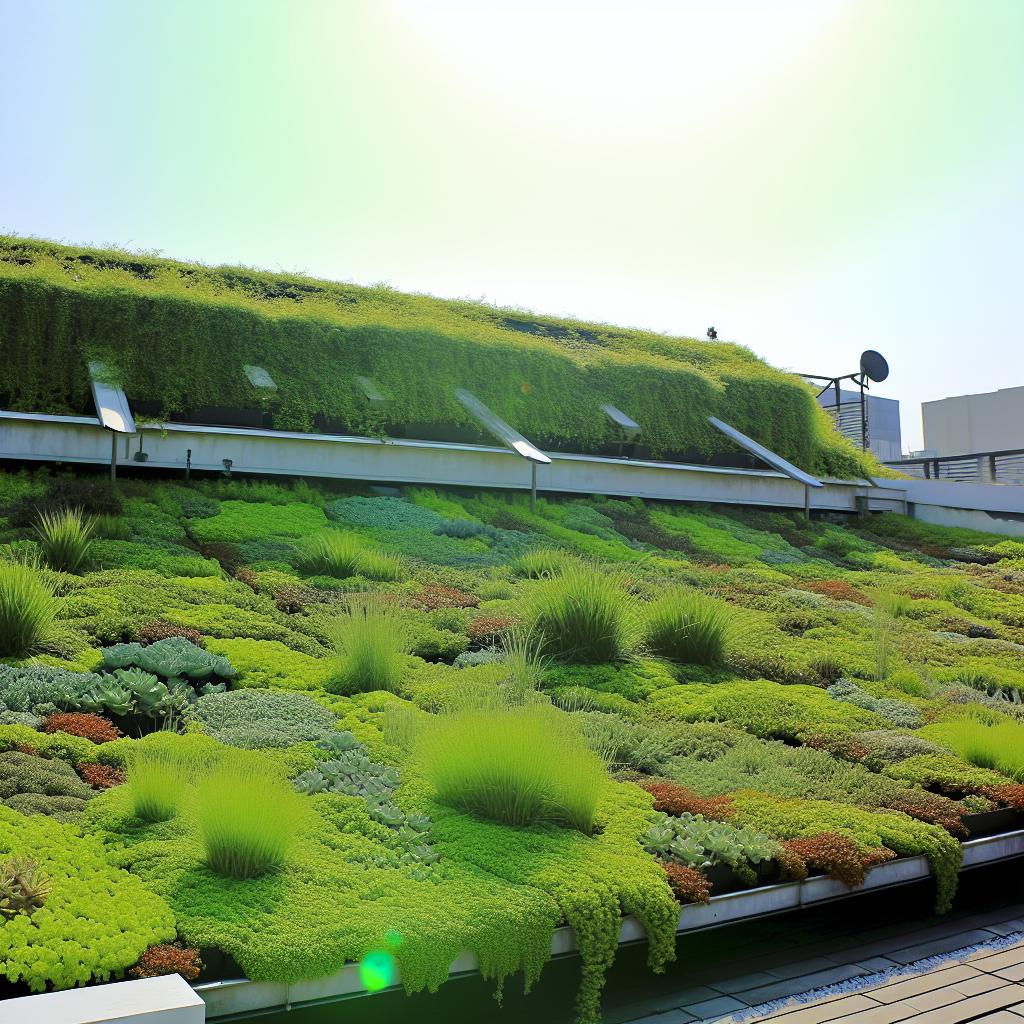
(377, 971)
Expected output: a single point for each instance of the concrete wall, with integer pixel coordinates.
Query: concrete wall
(168, 1000)
(989, 422)
(81, 439)
(991, 508)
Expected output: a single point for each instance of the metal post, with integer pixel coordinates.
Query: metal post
(533, 486)
(807, 501)
(863, 416)
(113, 455)
(188, 464)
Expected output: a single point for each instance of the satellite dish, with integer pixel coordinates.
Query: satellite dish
(874, 366)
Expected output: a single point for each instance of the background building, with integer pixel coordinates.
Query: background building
(968, 424)
(884, 438)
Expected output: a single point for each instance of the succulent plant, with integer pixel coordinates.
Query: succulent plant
(23, 887)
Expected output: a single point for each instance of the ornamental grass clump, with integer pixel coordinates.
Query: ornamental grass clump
(584, 616)
(521, 766)
(156, 785)
(543, 563)
(372, 643)
(341, 555)
(688, 627)
(65, 537)
(28, 606)
(998, 746)
(247, 820)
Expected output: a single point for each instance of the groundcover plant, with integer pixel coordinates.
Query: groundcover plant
(275, 728)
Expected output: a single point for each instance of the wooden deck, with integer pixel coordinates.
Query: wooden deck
(965, 984)
(984, 986)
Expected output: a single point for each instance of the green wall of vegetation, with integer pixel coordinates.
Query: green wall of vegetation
(178, 334)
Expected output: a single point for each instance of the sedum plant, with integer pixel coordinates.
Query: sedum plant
(65, 537)
(170, 658)
(24, 887)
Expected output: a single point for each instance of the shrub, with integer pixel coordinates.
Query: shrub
(688, 885)
(342, 555)
(28, 607)
(65, 539)
(157, 629)
(432, 597)
(837, 856)
(253, 718)
(155, 782)
(516, 765)
(40, 785)
(94, 496)
(583, 616)
(486, 629)
(247, 820)
(372, 644)
(688, 627)
(675, 800)
(92, 727)
(168, 958)
(101, 776)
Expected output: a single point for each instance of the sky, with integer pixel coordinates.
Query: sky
(813, 178)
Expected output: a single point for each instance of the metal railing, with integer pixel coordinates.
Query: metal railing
(1006, 467)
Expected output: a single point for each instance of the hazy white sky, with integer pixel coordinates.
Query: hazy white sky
(814, 178)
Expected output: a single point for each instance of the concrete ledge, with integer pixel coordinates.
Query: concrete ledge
(238, 995)
(167, 1000)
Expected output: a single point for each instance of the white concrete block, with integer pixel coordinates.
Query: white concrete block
(168, 1000)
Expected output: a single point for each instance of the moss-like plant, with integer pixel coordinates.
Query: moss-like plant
(247, 820)
(584, 616)
(517, 765)
(689, 627)
(28, 607)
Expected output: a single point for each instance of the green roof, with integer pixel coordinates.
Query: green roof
(176, 336)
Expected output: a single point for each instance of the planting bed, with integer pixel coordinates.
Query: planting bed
(267, 730)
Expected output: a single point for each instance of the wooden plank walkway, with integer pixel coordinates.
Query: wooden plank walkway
(984, 985)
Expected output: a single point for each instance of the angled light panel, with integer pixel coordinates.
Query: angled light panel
(629, 427)
(498, 428)
(111, 402)
(371, 392)
(259, 378)
(765, 454)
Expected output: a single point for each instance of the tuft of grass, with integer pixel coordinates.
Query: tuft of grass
(342, 555)
(111, 527)
(156, 785)
(372, 643)
(65, 537)
(28, 607)
(247, 820)
(996, 743)
(543, 563)
(521, 766)
(689, 627)
(584, 616)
